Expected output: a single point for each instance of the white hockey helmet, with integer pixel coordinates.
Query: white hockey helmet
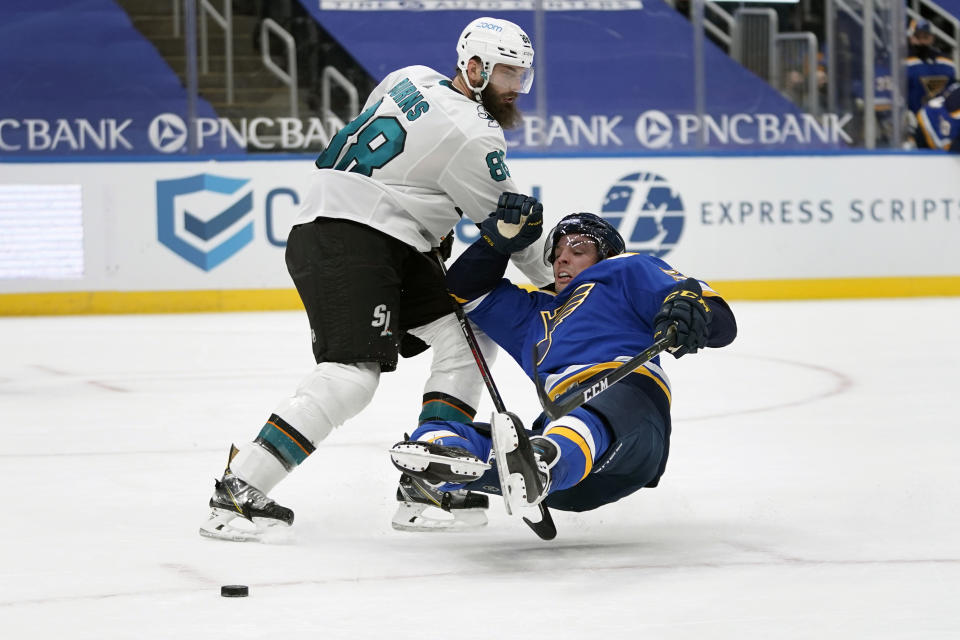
(495, 41)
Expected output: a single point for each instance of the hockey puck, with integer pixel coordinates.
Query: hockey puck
(234, 591)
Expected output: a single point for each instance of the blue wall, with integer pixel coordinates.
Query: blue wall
(81, 59)
(617, 64)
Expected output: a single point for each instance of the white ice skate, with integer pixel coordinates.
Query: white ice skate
(437, 463)
(524, 470)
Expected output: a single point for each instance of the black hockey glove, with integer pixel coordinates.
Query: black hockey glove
(446, 245)
(685, 307)
(515, 225)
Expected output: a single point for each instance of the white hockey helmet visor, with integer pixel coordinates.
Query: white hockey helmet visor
(511, 78)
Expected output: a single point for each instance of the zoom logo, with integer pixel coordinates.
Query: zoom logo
(654, 129)
(203, 219)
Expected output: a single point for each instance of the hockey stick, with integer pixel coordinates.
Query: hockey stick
(584, 392)
(545, 529)
(471, 339)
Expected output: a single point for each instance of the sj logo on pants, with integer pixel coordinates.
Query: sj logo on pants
(381, 318)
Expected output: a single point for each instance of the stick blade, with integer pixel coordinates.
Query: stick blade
(545, 529)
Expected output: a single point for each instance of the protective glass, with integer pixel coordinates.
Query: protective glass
(506, 77)
(565, 237)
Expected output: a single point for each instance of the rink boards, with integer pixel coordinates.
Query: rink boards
(105, 237)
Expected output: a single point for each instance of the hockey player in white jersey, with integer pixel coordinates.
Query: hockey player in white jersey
(425, 151)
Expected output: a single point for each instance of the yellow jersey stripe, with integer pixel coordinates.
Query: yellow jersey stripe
(436, 435)
(589, 372)
(562, 386)
(577, 439)
(925, 127)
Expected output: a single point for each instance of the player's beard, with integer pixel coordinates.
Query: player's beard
(507, 115)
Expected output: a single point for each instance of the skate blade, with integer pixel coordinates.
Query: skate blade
(416, 459)
(506, 441)
(410, 517)
(218, 527)
(516, 495)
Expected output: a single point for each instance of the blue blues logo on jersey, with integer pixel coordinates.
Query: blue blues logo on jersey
(194, 222)
(647, 212)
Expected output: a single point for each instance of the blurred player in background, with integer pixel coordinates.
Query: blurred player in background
(938, 122)
(928, 70)
(608, 305)
(425, 151)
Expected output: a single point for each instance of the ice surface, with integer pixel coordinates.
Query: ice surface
(812, 492)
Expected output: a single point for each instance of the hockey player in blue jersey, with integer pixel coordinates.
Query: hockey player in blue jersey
(938, 122)
(606, 305)
(928, 70)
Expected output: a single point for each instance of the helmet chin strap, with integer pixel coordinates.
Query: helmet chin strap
(477, 91)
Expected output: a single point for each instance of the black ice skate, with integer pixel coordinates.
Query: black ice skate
(465, 510)
(233, 498)
(437, 463)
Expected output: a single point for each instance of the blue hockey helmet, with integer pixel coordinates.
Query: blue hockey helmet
(919, 26)
(608, 240)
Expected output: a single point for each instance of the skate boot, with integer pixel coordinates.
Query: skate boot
(523, 463)
(546, 452)
(437, 463)
(232, 499)
(465, 510)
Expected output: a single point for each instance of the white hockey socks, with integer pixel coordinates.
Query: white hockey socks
(452, 392)
(332, 394)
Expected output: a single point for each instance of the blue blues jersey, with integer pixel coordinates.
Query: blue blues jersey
(883, 86)
(603, 317)
(926, 78)
(938, 122)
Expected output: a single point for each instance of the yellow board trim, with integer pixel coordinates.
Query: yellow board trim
(119, 302)
(831, 288)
